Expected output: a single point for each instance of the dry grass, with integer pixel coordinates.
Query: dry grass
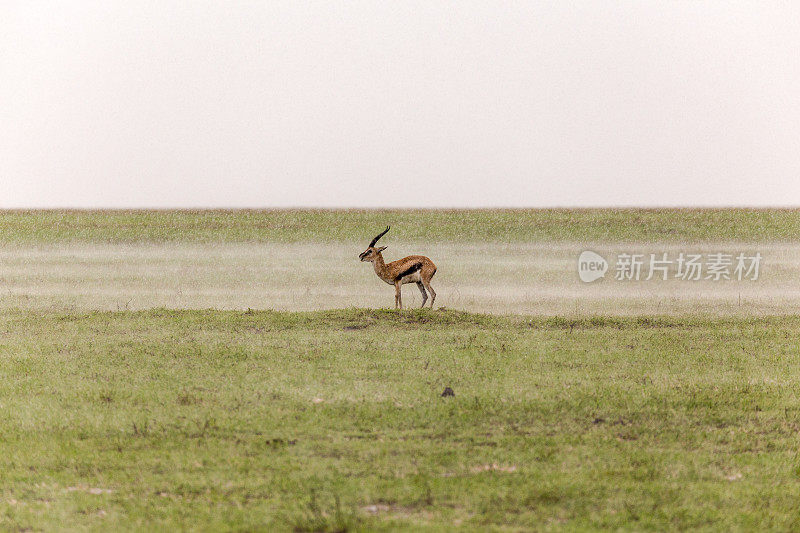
(532, 278)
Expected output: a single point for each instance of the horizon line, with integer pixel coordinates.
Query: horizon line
(409, 208)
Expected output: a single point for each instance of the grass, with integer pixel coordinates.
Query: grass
(333, 421)
(485, 226)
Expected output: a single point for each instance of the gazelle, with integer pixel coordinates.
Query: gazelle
(412, 269)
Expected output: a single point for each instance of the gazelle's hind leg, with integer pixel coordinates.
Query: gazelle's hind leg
(424, 294)
(430, 290)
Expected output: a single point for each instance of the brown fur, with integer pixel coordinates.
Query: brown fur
(412, 269)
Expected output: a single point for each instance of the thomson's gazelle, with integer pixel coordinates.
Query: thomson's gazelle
(412, 269)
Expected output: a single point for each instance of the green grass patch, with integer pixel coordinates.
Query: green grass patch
(443, 225)
(334, 421)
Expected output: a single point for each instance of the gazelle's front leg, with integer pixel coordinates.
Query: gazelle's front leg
(398, 302)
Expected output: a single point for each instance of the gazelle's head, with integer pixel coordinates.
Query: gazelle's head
(371, 253)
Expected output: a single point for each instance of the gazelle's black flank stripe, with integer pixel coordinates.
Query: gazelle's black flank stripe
(410, 270)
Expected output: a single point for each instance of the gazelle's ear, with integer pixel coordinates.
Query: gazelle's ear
(382, 248)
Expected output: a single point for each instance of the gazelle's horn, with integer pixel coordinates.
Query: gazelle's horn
(379, 236)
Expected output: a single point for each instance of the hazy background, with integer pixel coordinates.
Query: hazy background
(177, 104)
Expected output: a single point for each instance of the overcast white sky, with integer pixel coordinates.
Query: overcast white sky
(268, 104)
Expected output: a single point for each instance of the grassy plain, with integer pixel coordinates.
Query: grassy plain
(139, 392)
(495, 261)
(409, 225)
(328, 421)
